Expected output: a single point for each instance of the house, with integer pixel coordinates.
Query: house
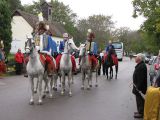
(23, 24)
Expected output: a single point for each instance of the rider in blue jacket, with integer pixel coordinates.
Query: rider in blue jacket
(109, 47)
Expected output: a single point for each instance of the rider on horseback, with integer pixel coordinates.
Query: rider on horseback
(45, 45)
(61, 50)
(91, 52)
(110, 47)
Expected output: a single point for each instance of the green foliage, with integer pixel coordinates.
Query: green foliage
(34, 9)
(150, 9)
(64, 15)
(5, 26)
(101, 26)
(14, 4)
(122, 35)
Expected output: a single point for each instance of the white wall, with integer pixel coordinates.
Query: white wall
(57, 39)
(20, 30)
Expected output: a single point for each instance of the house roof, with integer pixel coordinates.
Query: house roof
(55, 28)
(49, 4)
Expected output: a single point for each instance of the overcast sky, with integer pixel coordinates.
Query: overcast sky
(120, 10)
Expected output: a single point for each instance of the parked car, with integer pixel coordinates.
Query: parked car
(152, 71)
(152, 60)
(147, 59)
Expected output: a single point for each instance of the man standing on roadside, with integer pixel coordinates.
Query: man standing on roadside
(139, 84)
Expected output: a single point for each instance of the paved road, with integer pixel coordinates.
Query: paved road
(112, 100)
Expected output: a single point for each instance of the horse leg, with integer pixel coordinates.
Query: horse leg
(31, 102)
(40, 77)
(83, 79)
(35, 90)
(60, 80)
(72, 78)
(90, 79)
(63, 83)
(69, 83)
(116, 67)
(46, 87)
(107, 71)
(96, 85)
(111, 72)
(55, 82)
(51, 85)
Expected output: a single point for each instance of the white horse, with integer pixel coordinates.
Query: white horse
(36, 69)
(86, 67)
(66, 65)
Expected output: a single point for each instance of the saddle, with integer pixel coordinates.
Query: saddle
(58, 58)
(48, 62)
(93, 61)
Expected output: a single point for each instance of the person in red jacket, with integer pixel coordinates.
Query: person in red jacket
(19, 59)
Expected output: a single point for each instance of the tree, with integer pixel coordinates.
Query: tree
(5, 26)
(150, 9)
(14, 4)
(101, 26)
(65, 16)
(42, 1)
(121, 35)
(34, 9)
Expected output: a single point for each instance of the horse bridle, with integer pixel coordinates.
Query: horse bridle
(30, 48)
(68, 44)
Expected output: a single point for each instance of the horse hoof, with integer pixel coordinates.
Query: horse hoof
(96, 85)
(40, 103)
(70, 94)
(55, 89)
(62, 93)
(31, 103)
(35, 91)
(50, 96)
(44, 96)
(47, 91)
(88, 88)
(82, 88)
(59, 85)
(116, 77)
(90, 85)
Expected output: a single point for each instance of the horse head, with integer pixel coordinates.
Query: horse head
(29, 46)
(69, 46)
(82, 49)
(72, 44)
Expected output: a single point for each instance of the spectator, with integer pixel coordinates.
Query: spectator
(157, 65)
(139, 84)
(19, 59)
(2, 61)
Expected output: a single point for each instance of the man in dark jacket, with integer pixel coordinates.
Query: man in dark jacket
(139, 84)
